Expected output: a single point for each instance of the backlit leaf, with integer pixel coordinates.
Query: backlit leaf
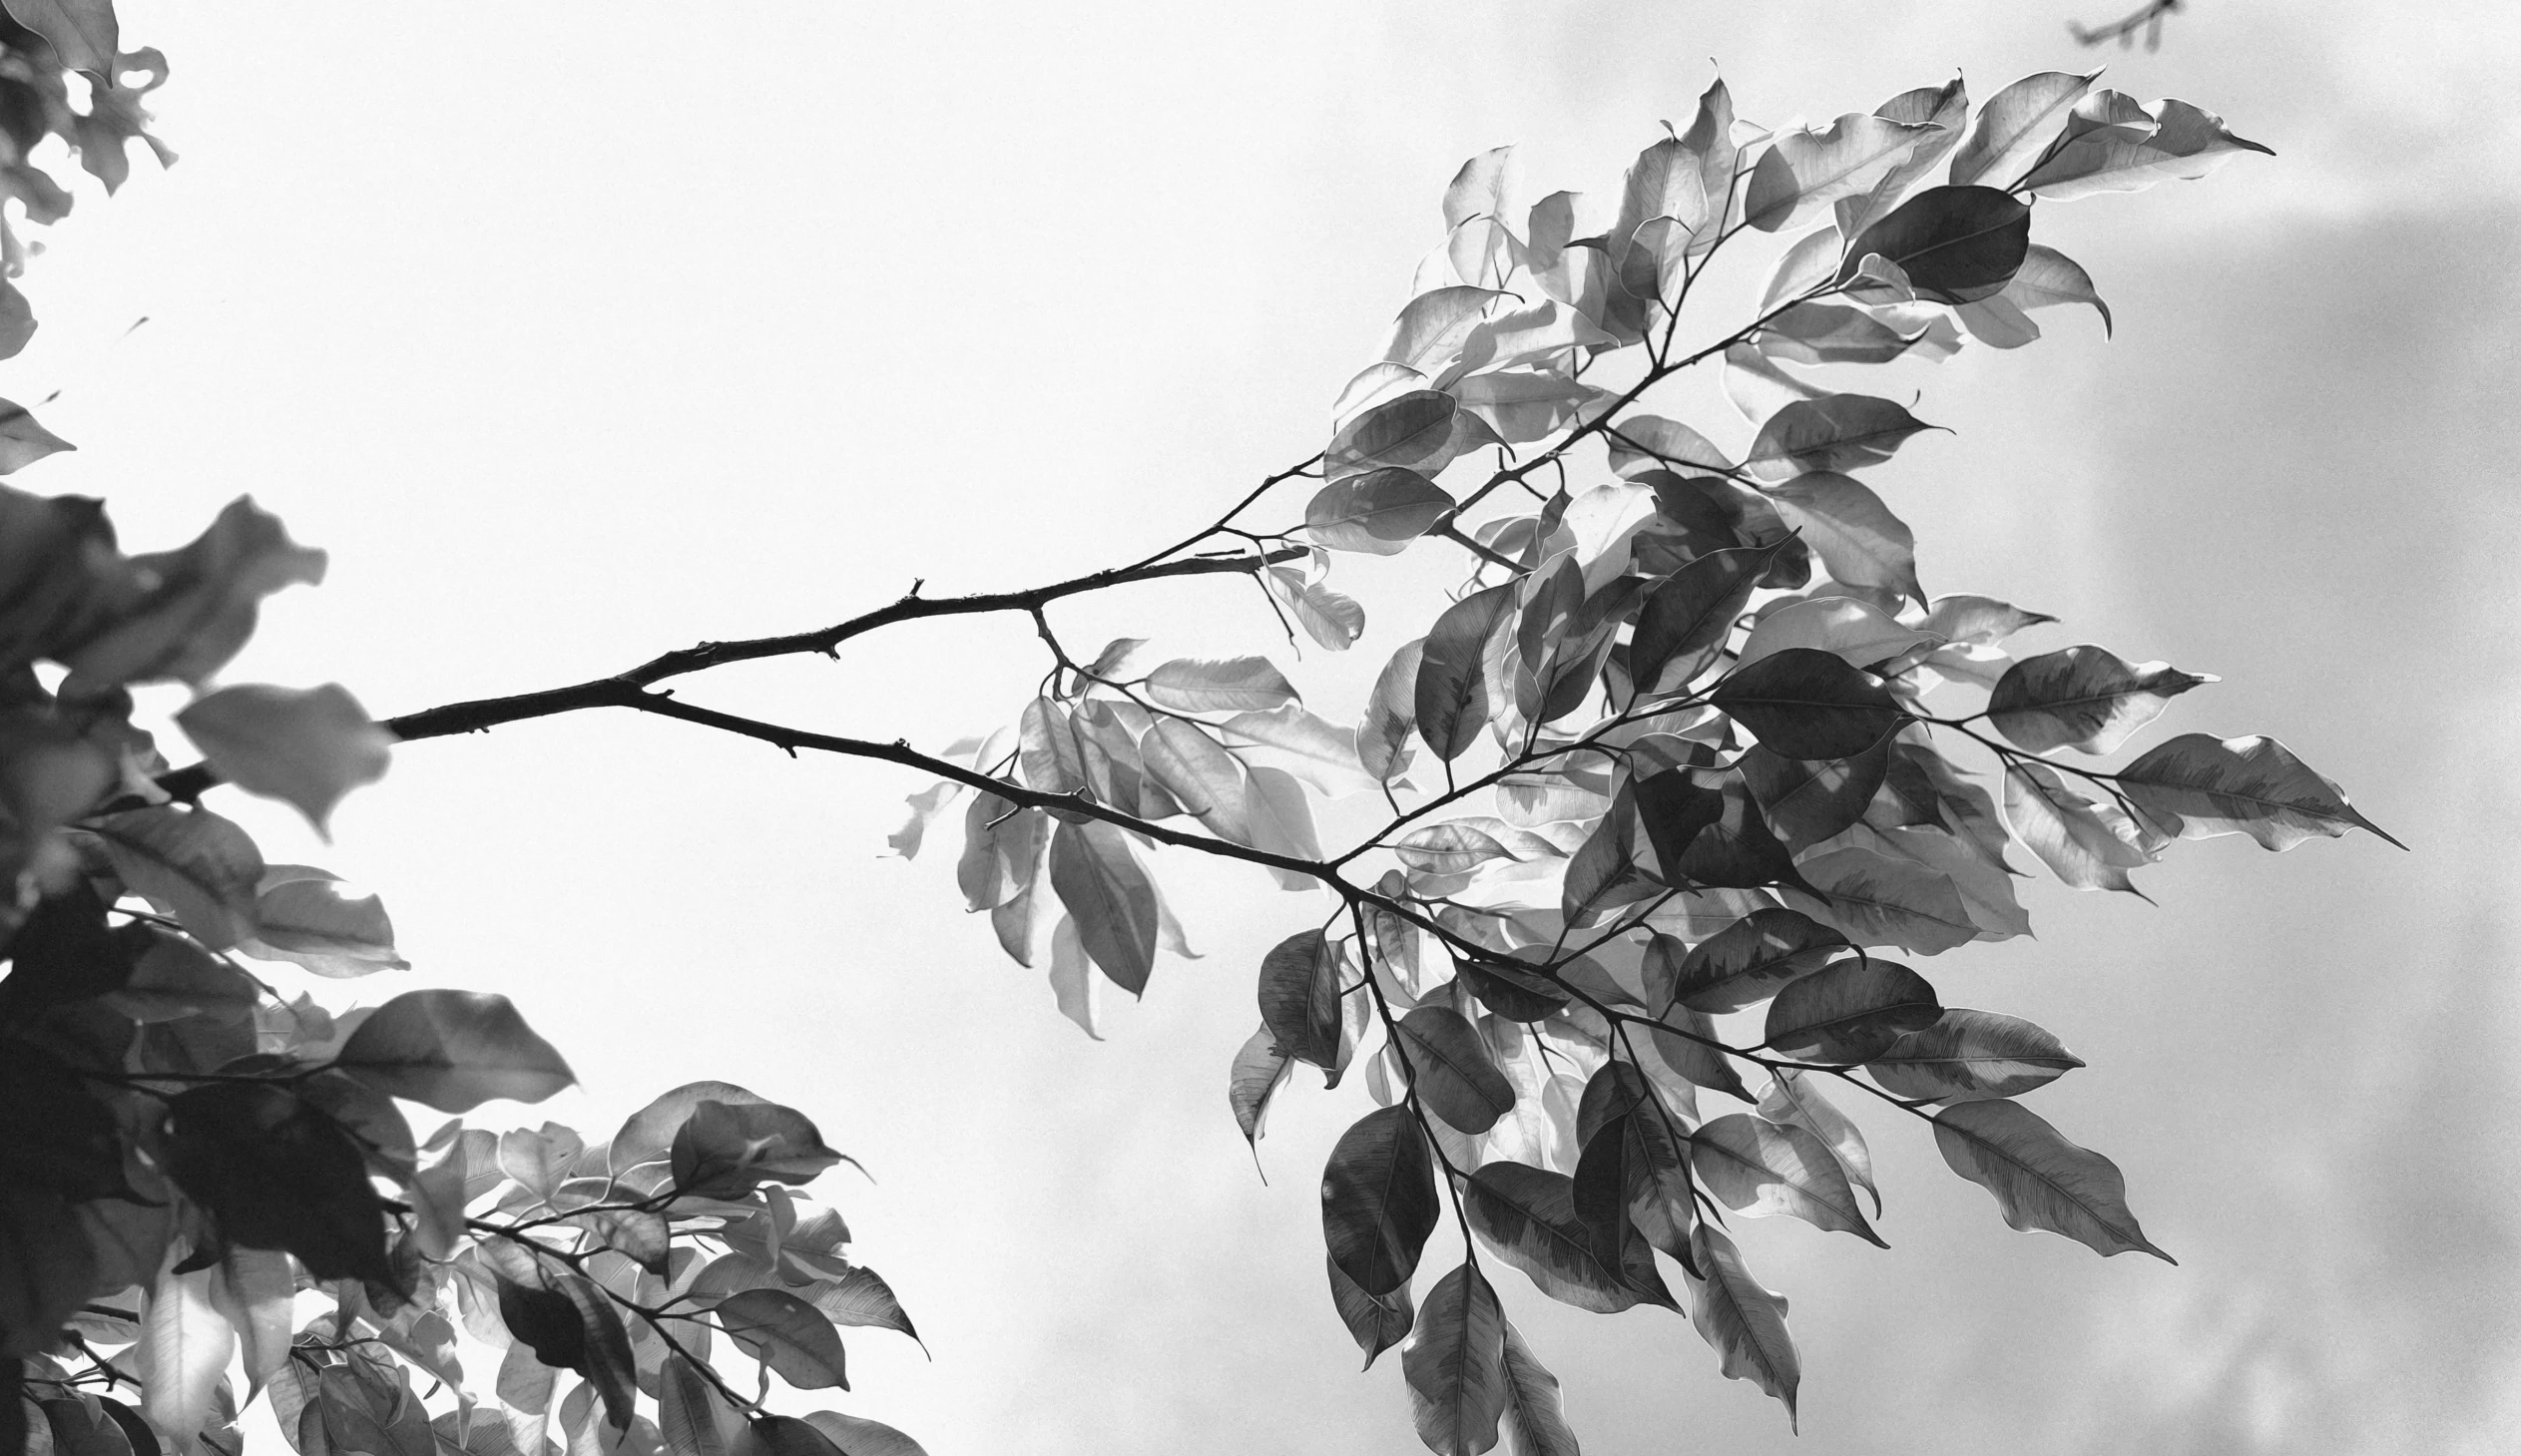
(1100, 880)
(2049, 278)
(1391, 716)
(1807, 801)
(1983, 621)
(1878, 900)
(2091, 844)
(1532, 1405)
(1855, 536)
(2015, 125)
(307, 916)
(1258, 1071)
(1953, 243)
(190, 863)
(453, 1050)
(1529, 1216)
(2040, 1180)
(1831, 333)
(2120, 152)
(2085, 697)
(1452, 1071)
(307, 747)
(1748, 961)
(1379, 1199)
(2198, 786)
(1375, 1322)
(1857, 631)
(1416, 430)
(201, 603)
(1837, 432)
(725, 1149)
(787, 1334)
(1970, 1055)
(187, 1344)
(1453, 698)
(1454, 1365)
(1648, 442)
(1794, 1098)
(1849, 1010)
(858, 1436)
(1234, 685)
(1760, 1168)
(23, 441)
(85, 36)
(1300, 998)
(1380, 512)
(1805, 170)
(1691, 612)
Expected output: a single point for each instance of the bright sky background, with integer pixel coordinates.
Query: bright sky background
(576, 332)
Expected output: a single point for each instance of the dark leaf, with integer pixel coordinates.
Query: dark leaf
(1724, 841)
(2040, 1180)
(1807, 801)
(190, 863)
(1452, 1071)
(64, 951)
(726, 1149)
(1803, 703)
(1849, 1012)
(1529, 1214)
(1878, 900)
(1693, 611)
(2085, 697)
(1512, 992)
(606, 1346)
(1455, 1366)
(83, 33)
(23, 441)
(2198, 786)
(1835, 432)
(54, 1133)
(1375, 1322)
(1380, 512)
(861, 1298)
(453, 1050)
(278, 1173)
(1750, 960)
(1392, 715)
(45, 1266)
(1453, 699)
(692, 1418)
(1416, 430)
(1532, 1407)
(1300, 998)
(787, 1334)
(1100, 880)
(1379, 1199)
(858, 1436)
(780, 1435)
(1956, 243)
(1742, 1322)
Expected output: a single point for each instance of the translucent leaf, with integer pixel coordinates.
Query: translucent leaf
(1970, 1055)
(1857, 632)
(1415, 429)
(1950, 243)
(2040, 1180)
(1528, 1214)
(1303, 745)
(1855, 536)
(1391, 716)
(787, 1334)
(2091, 844)
(1233, 685)
(1793, 1097)
(1946, 107)
(1805, 170)
(1429, 333)
(1742, 1322)
(1453, 698)
(1258, 1071)
(1098, 877)
(1375, 1322)
(2048, 280)
(2016, 126)
(1379, 512)
(1001, 845)
(305, 915)
(1982, 621)
(23, 441)
(1454, 1365)
(1379, 1199)
(1691, 612)
(1850, 1011)
(2198, 786)
(190, 863)
(858, 1436)
(1072, 978)
(1451, 1070)
(1808, 703)
(861, 1298)
(1878, 900)
(1839, 432)
(1831, 333)
(692, 1418)
(1748, 961)
(1761, 1168)
(2085, 697)
(2172, 139)
(307, 747)
(1641, 442)
(453, 1050)
(1808, 801)
(725, 1149)
(185, 1346)
(253, 1290)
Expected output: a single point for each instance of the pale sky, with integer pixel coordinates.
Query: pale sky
(578, 332)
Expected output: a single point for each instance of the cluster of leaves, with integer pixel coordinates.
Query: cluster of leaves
(199, 1172)
(1660, 793)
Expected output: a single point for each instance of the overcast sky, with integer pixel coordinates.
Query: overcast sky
(578, 332)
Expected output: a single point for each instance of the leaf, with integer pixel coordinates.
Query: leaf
(1743, 1322)
(1380, 512)
(2016, 125)
(1231, 685)
(187, 1344)
(1452, 699)
(2198, 786)
(305, 747)
(1760, 1168)
(780, 1435)
(1641, 442)
(320, 923)
(82, 33)
(1303, 745)
(1945, 106)
(22, 440)
(173, 979)
(1379, 1199)
(1416, 429)
(1805, 170)
(787, 1334)
(1691, 1056)
(691, 1417)
(1429, 333)
(1837, 432)
(190, 863)
(1850, 1011)
(1375, 1322)
(1529, 1216)
(1454, 1365)
(253, 1290)
(1451, 1070)
(1855, 536)
(1691, 612)
(1793, 1097)
(2170, 138)
(1808, 801)
(1072, 978)
(1831, 333)
(1748, 960)
(453, 1050)
(608, 1363)
(1983, 621)
(202, 604)
(2089, 843)
(858, 1436)
(1391, 716)
(2040, 1180)
(1971, 1056)
(1332, 620)
(1878, 900)
(1100, 880)
(1300, 998)
(725, 1149)
(1808, 703)
(2085, 697)
(276, 1172)
(1532, 1408)
(1954, 244)
(1860, 633)
(2049, 278)
(1258, 1071)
